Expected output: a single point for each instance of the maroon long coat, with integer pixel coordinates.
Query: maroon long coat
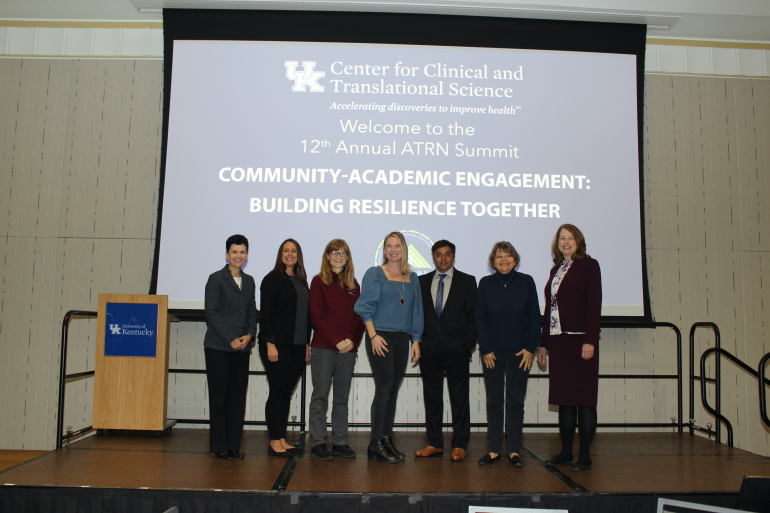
(574, 381)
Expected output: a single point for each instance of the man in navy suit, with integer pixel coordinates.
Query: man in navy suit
(448, 339)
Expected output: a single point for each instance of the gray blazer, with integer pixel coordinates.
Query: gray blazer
(230, 312)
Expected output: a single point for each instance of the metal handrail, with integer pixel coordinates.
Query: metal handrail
(63, 368)
(742, 365)
(762, 396)
(703, 379)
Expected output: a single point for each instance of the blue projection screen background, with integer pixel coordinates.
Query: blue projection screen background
(317, 141)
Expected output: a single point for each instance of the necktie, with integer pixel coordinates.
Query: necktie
(440, 295)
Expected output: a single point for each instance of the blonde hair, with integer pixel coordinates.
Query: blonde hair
(405, 267)
(580, 252)
(347, 276)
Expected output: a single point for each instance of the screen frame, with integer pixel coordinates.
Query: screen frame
(406, 29)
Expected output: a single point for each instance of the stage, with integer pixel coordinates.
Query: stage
(141, 472)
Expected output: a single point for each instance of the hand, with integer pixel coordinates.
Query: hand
(489, 360)
(272, 352)
(526, 359)
(345, 346)
(588, 351)
(307, 353)
(240, 343)
(542, 359)
(415, 351)
(379, 346)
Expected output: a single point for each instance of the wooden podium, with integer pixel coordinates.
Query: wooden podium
(131, 391)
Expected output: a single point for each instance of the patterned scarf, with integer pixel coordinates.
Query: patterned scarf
(557, 279)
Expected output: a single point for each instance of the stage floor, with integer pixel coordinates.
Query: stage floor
(623, 463)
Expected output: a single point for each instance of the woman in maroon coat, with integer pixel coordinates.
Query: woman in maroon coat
(338, 331)
(573, 299)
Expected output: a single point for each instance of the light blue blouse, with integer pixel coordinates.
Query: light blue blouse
(380, 302)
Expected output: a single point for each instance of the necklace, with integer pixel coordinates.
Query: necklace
(401, 290)
(505, 284)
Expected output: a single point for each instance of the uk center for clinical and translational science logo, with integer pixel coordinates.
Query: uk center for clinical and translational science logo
(307, 79)
(419, 249)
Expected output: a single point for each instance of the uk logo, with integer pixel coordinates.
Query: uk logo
(115, 329)
(306, 79)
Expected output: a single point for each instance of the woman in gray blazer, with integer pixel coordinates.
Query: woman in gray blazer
(231, 317)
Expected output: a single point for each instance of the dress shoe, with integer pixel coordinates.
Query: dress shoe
(378, 451)
(236, 455)
(582, 466)
(559, 460)
(458, 454)
(516, 460)
(388, 441)
(321, 452)
(284, 454)
(488, 460)
(429, 451)
(343, 450)
(223, 456)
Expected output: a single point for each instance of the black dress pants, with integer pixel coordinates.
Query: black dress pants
(457, 371)
(228, 378)
(282, 377)
(388, 372)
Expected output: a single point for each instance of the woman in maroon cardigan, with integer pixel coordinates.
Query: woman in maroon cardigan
(338, 331)
(573, 299)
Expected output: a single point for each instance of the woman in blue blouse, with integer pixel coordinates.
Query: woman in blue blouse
(391, 308)
(508, 325)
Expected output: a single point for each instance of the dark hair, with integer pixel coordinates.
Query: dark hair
(299, 267)
(440, 244)
(237, 240)
(580, 252)
(504, 247)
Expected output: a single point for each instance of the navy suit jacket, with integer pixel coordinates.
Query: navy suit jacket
(455, 331)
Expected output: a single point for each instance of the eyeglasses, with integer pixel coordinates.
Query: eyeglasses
(338, 254)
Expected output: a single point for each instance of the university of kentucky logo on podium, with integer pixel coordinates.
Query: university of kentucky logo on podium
(132, 329)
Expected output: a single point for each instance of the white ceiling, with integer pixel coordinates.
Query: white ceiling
(734, 20)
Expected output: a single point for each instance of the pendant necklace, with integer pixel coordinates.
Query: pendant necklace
(401, 290)
(505, 284)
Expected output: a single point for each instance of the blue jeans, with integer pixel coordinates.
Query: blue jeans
(506, 386)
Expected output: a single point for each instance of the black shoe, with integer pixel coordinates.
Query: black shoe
(388, 441)
(516, 461)
(488, 460)
(582, 466)
(223, 456)
(343, 450)
(236, 455)
(321, 452)
(559, 460)
(378, 451)
(285, 454)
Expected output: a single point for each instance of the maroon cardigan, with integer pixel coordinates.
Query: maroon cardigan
(331, 310)
(580, 301)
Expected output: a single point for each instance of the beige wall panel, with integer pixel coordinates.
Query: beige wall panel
(111, 171)
(753, 130)
(32, 124)
(26, 292)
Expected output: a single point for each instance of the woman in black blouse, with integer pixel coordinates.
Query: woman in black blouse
(284, 338)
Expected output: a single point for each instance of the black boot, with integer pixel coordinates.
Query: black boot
(388, 442)
(378, 451)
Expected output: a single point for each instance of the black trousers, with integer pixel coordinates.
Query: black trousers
(388, 372)
(457, 371)
(506, 385)
(228, 377)
(282, 377)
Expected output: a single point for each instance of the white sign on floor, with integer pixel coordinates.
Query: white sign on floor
(487, 509)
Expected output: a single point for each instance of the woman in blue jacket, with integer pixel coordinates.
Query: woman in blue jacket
(391, 308)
